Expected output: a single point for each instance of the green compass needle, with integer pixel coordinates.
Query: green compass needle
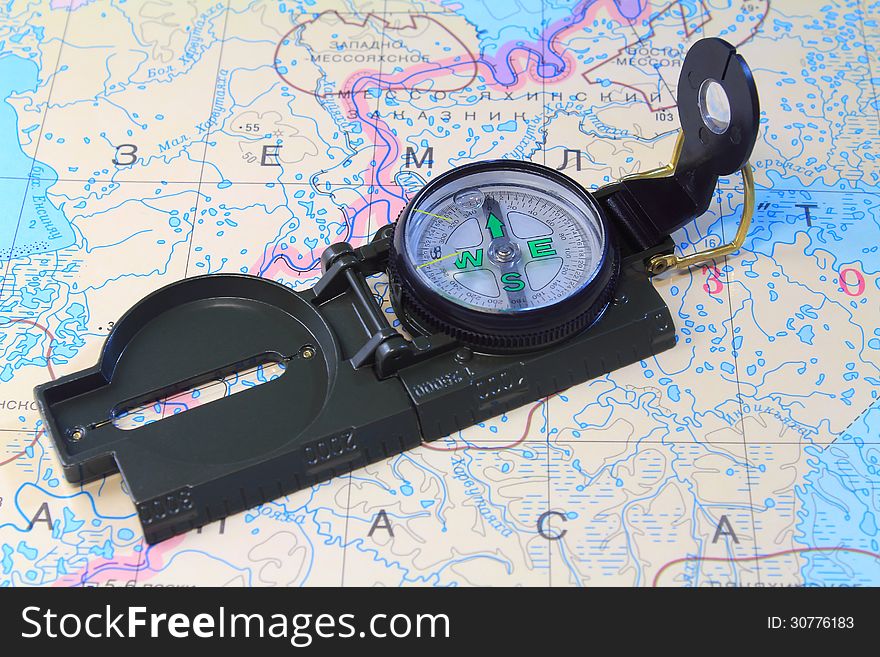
(494, 226)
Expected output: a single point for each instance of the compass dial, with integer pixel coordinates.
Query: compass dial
(504, 246)
(509, 239)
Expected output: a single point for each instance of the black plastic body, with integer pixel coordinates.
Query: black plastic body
(326, 415)
(355, 390)
(647, 210)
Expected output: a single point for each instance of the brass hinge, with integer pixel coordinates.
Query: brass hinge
(664, 262)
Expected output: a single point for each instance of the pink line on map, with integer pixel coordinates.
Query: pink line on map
(387, 147)
(141, 566)
(506, 69)
(550, 64)
(70, 5)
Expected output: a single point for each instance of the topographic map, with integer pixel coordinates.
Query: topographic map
(145, 141)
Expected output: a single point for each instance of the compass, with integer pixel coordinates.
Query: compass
(513, 282)
(503, 255)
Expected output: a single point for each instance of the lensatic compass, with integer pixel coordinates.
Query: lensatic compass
(503, 255)
(511, 281)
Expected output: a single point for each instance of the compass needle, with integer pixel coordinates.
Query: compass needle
(505, 245)
(438, 216)
(440, 259)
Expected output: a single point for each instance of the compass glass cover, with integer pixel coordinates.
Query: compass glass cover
(505, 241)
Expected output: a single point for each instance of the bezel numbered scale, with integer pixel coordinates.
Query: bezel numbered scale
(512, 282)
(503, 254)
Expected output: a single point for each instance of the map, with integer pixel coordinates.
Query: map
(145, 141)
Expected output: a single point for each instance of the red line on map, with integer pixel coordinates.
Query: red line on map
(688, 33)
(24, 451)
(41, 432)
(664, 12)
(516, 442)
(761, 557)
(387, 25)
(31, 322)
(757, 25)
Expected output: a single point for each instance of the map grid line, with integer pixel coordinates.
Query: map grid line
(549, 502)
(739, 399)
(863, 11)
(207, 140)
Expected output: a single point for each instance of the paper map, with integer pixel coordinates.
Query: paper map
(145, 141)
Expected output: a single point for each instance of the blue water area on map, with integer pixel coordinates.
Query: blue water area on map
(844, 221)
(531, 26)
(29, 219)
(500, 23)
(840, 507)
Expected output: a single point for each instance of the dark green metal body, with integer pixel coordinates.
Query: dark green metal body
(366, 393)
